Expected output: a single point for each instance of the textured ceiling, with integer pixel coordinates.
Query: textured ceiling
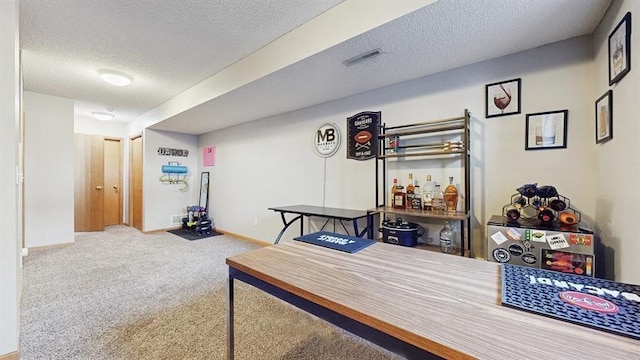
(166, 45)
(169, 46)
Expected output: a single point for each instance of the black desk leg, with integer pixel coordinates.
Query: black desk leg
(368, 230)
(230, 349)
(287, 224)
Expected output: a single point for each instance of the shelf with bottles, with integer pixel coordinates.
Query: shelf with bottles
(437, 147)
(444, 215)
(443, 235)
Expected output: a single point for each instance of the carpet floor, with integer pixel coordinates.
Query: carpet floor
(121, 294)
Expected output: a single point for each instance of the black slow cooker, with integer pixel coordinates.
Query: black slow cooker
(401, 232)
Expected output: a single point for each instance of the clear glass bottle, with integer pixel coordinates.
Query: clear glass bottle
(447, 239)
(427, 191)
(437, 204)
(451, 196)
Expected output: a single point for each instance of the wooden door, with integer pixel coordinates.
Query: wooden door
(89, 183)
(112, 182)
(135, 187)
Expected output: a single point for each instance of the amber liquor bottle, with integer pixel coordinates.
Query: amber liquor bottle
(399, 197)
(393, 192)
(451, 196)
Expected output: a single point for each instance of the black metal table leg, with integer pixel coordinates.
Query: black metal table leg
(230, 342)
(287, 224)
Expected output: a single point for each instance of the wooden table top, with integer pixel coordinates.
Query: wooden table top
(448, 305)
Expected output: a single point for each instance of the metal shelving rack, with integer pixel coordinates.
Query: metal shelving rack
(452, 126)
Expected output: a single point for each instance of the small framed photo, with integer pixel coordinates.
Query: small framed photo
(503, 98)
(620, 50)
(604, 117)
(546, 130)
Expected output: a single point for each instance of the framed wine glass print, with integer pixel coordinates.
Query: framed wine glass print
(620, 50)
(604, 117)
(503, 98)
(546, 130)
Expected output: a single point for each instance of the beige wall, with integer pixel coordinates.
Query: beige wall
(49, 169)
(10, 279)
(617, 164)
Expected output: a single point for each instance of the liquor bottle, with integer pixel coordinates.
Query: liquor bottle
(451, 196)
(417, 197)
(437, 204)
(393, 192)
(410, 186)
(447, 239)
(427, 190)
(410, 192)
(399, 198)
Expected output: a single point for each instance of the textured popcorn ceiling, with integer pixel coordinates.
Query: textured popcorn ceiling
(170, 46)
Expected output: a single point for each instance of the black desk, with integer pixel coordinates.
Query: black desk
(325, 212)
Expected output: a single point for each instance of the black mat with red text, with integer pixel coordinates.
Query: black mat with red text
(598, 303)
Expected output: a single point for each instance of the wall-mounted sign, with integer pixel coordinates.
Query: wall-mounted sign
(172, 152)
(209, 156)
(326, 140)
(362, 135)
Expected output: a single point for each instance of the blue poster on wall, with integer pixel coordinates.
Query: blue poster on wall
(597, 303)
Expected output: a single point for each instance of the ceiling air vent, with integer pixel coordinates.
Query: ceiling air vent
(362, 57)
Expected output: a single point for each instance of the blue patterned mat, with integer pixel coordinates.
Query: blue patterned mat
(598, 303)
(340, 242)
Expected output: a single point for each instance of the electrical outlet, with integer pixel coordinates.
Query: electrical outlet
(255, 222)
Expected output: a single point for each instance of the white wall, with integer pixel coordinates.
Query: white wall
(271, 162)
(49, 169)
(85, 125)
(162, 200)
(9, 138)
(617, 165)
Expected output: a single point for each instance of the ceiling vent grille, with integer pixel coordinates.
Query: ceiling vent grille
(362, 57)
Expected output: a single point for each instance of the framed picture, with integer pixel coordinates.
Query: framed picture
(604, 117)
(546, 130)
(503, 98)
(620, 50)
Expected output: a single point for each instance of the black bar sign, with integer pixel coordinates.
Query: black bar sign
(362, 135)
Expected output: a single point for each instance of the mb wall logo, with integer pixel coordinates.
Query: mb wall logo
(326, 140)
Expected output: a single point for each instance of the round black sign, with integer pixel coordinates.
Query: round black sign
(516, 249)
(529, 258)
(501, 255)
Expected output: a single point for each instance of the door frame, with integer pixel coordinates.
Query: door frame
(129, 220)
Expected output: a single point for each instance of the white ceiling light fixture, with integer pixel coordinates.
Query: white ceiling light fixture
(103, 115)
(115, 78)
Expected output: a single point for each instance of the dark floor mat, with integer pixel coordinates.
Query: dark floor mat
(192, 235)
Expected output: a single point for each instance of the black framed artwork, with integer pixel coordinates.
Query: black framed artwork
(620, 50)
(503, 98)
(546, 130)
(604, 117)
